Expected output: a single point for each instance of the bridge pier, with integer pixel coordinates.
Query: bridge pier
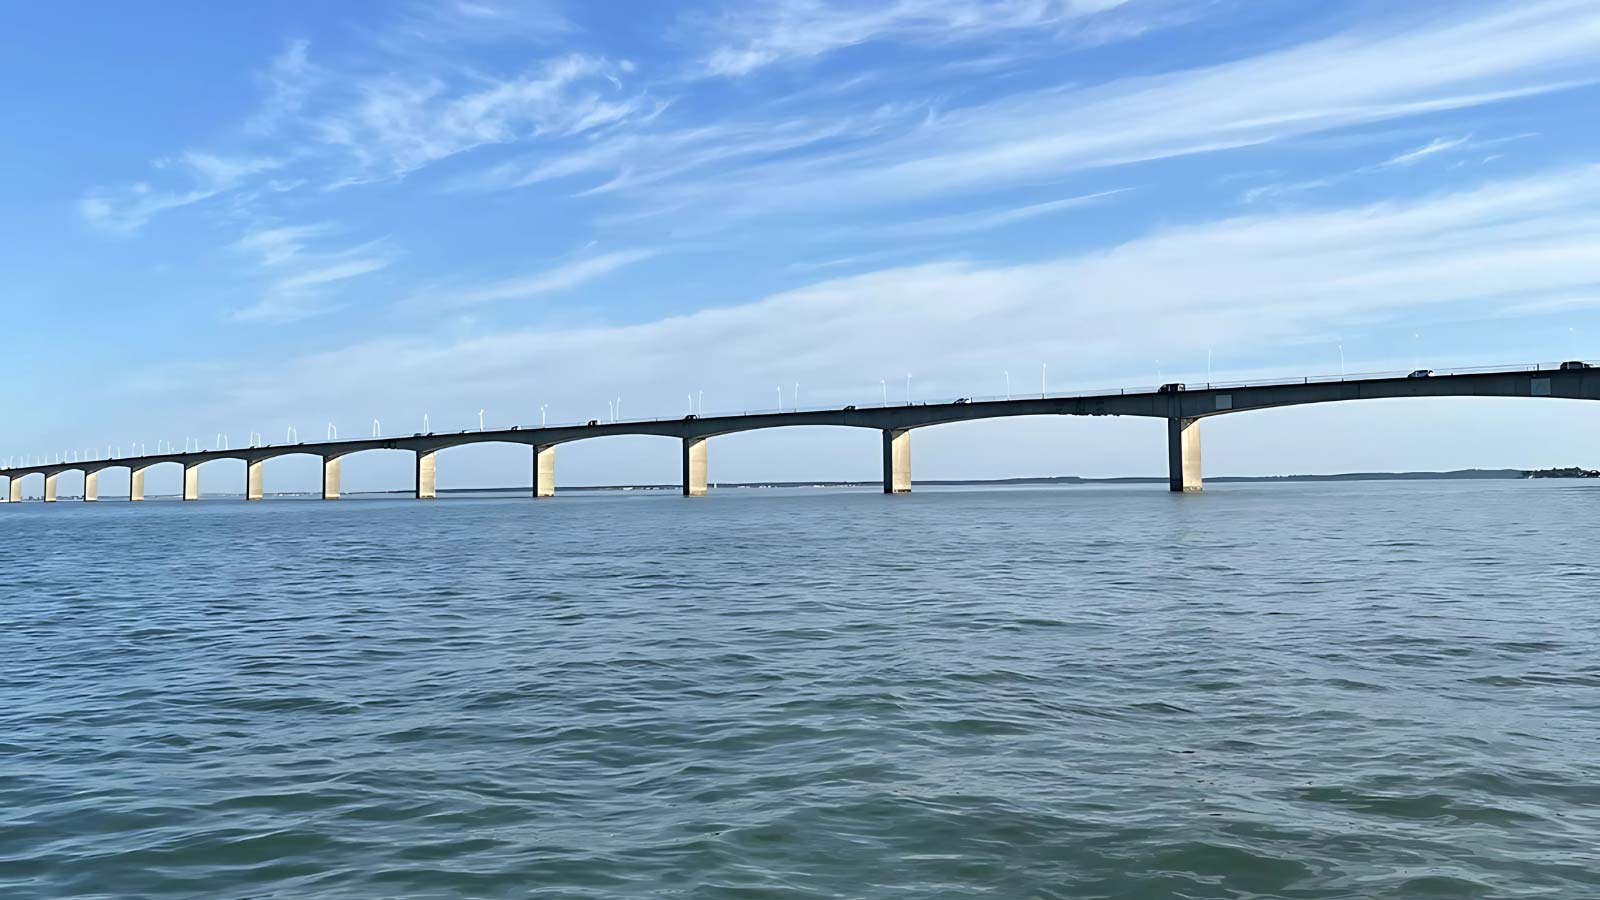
(694, 467)
(91, 486)
(330, 477)
(135, 485)
(9, 495)
(896, 461)
(50, 487)
(1183, 455)
(254, 479)
(544, 471)
(426, 473)
(16, 489)
(191, 481)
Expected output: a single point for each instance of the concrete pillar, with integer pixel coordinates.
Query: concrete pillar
(896, 462)
(136, 484)
(426, 485)
(16, 489)
(253, 479)
(694, 467)
(544, 471)
(10, 495)
(191, 481)
(91, 486)
(50, 487)
(330, 478)
(1183, 455)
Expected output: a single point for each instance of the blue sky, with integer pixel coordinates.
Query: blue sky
(228, 218)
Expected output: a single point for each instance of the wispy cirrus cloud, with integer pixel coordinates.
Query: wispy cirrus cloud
(339, 126)
(393, 125)
(297, 279)
(1431, 62)
(1418, 154)
(750, 37)
(985, 220)
(205, 175)
(552, 280)
(1434, 149)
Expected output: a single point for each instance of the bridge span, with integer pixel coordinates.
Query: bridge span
(1182, 407)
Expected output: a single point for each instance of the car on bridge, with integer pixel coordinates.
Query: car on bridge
(1574, 365)
(1173, 388)
(1421, 373)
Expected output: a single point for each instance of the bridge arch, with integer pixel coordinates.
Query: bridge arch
(334, 472)
(542, 450)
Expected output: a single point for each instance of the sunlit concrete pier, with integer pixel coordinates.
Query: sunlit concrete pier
(1183, 408)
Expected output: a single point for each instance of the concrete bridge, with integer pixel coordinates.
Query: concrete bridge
(1182, 407)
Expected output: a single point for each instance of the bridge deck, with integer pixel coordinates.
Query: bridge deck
(1184, 406)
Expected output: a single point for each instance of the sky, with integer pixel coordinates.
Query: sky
(222, 220)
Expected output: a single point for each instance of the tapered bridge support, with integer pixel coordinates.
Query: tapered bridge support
(50, 487)
(91, 486)
(544, 471)
(330, 478)
(191, 481)
(694, 467)
(896, 462)
(14, 492)
(254, 479)
(136, 485)
(1183, 455)
(427, 486)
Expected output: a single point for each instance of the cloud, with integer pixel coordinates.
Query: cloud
(1372, 74)
(754, 36)
(1432, 148)
(298, 278)
(354, 125)
(560, 278)
(126, 210)
(636, 159)
(289, 82)
(1240, 282)
(966, 223)
(397, 124)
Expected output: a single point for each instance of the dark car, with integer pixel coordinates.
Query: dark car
(1173, 387)
(961, 400)
(1421, 373)
(1574, 365)
(850, 407)
(594, 421)
(690, 417)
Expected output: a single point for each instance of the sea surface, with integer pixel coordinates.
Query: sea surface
(1364, 690)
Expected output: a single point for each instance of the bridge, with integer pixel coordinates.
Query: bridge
(1183, 408)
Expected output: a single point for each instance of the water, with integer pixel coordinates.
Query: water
(1313, 691)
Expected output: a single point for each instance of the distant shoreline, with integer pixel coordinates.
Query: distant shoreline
(1042, 481)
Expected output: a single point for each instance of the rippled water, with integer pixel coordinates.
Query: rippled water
(1382, 690)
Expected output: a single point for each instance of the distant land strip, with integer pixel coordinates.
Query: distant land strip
(1454, 475)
